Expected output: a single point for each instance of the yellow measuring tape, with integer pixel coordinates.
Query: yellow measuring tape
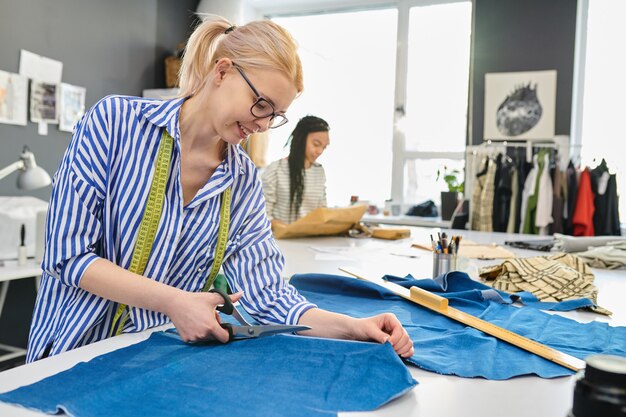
(222, 239)
(150, 222)
(440, 305)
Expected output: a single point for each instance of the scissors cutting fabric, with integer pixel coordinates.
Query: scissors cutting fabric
(247, 330)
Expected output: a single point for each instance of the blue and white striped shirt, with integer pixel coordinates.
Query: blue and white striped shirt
(98, 199)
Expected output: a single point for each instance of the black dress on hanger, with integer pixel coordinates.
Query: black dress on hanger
(572, 191)
(606, 214)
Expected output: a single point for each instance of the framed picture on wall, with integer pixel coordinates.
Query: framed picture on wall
(44, 99)
(13, 98)
(72, 106)
(520, 105)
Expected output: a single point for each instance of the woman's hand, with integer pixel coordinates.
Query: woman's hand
(385, 328)
(381, 328)
(195, 315)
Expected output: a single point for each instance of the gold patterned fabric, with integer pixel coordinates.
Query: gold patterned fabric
(482, 198)
(553, 278)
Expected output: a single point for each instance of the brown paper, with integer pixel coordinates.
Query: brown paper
(473, 250)
(321, 221)
(391, 233)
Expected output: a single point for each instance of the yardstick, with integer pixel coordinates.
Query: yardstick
(439, 304)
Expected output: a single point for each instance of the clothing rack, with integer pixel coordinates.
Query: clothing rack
(475, 153)
(521, 144)
(492, 147)
(492, 165)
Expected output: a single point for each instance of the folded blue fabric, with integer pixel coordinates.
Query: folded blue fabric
(448, 347)
(272, 376)
(457, 284)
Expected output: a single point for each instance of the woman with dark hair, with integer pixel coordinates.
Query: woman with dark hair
(296, 185)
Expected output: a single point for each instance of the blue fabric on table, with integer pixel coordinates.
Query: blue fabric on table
(448, 347)
(271, 376)
(455, 282)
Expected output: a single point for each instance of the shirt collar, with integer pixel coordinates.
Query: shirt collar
(163, 113)
(166, 113)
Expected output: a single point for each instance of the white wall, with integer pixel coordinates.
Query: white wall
(237, 11)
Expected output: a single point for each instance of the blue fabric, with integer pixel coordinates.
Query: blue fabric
(459, 284)
(445, 346)
(270, 376)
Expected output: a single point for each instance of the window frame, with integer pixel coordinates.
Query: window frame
(400, 155)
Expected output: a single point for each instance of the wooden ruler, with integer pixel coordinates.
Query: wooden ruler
(439, 304)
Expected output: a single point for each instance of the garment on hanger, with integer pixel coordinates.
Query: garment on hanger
(606, 214)
(503, 193)
(559, 200)
(510, 228)
(613, 224)
(477, 189)
(582, 218)
(543, 213)
(496, 179)
(572, 192)
(599, 182)
(482, 198)
(529, 198)
(523, 170)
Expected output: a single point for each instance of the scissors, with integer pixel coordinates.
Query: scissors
(247, 330)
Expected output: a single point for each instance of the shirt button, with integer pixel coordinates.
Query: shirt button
(200, 269)
(180, 275)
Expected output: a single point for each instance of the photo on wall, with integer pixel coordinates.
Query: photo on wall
(44, 99)
(72, 106)
(13, 98)
(520, 105)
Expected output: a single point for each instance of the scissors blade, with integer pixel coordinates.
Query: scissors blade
(246, 332)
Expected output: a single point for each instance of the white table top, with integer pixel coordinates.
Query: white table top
(436, 395)
(11, 270)
(404, 220)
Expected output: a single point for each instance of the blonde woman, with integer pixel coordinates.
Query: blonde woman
(234, 81)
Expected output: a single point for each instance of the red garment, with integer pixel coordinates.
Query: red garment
(582, 220)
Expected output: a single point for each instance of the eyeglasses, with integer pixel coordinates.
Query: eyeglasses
(263, 108)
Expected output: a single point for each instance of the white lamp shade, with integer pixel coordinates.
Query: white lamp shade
(33, 178)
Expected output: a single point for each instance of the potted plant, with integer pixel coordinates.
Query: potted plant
(450, 198)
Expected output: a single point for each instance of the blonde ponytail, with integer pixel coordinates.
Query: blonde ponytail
(261, 44)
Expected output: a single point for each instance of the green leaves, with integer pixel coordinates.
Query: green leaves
(450, 178)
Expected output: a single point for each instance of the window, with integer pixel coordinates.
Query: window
(349, 70)
(361, 65)
(436, 97)
(604, 90)
(437, 77)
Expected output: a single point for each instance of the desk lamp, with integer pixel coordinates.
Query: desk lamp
(31, 176)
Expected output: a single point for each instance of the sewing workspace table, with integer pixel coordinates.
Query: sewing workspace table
(436, 395)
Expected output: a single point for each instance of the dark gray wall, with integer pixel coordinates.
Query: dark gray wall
(109, 47)
(523, 35)
(175, 22)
